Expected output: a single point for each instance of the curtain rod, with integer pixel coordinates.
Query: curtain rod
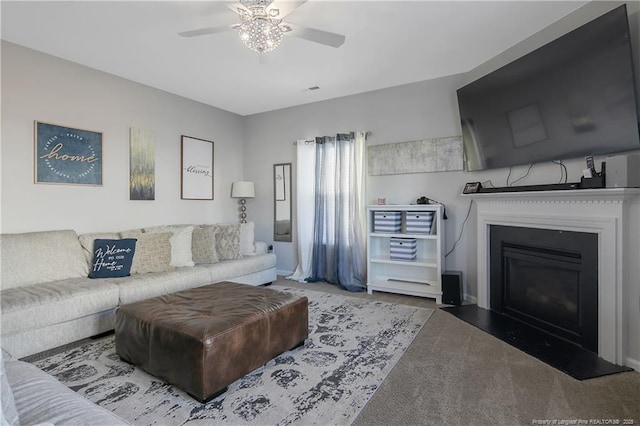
(366, 135)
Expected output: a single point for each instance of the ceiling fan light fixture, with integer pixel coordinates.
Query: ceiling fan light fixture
(261, 27)
(260, 35)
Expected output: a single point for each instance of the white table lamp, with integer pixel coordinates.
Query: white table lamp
(243, 190)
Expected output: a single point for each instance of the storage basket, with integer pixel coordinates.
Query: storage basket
(419, 222)
(403, 248)
(387, 221)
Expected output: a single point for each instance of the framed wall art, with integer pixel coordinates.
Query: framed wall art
(65, 155)
(196, 169)
(142, 165)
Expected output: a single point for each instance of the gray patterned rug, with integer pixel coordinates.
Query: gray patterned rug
(353, 344)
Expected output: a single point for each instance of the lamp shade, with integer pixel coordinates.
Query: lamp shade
(242, 190)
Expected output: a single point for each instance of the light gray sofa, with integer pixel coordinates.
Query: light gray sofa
(47, 299)
(32, 397)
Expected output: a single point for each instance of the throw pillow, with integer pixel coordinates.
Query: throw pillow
(86, 241)
(181, 254)
(112, 258)
(228, 241)
(153, 253)
(246, 238)
(181, 247)
(164, 228)
(203, 244)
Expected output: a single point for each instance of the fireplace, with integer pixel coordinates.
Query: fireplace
(606, 213)
(547, 279)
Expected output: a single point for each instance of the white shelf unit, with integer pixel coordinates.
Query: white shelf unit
(420, 277)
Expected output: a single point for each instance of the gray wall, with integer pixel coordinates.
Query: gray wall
(418, 111)
(411, 112)
(423, 110)
(36, 86)
(40, 87)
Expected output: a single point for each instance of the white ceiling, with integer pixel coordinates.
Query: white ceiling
(388, 43)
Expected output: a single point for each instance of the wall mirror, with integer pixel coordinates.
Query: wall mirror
(282, 202)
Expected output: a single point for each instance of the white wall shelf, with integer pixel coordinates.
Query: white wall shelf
(419, 277)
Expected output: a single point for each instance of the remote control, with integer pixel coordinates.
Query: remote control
(591, 165)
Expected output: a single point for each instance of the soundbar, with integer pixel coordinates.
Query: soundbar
(547, 187)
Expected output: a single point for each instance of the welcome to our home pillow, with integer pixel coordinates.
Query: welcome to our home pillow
(112, 258)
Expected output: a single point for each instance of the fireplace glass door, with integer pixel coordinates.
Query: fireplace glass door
(548, 279)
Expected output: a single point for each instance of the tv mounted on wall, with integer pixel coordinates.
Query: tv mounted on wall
(572, 97)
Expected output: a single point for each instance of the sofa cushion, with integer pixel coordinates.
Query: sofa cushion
(247, 231)
(229, 269)
(44, 304)
(40, 399)
(86, 241)
(153, 252)
(144, 286)
(261, 248)
(203, 244)
(112, 258)
(228, 241)
(38, 257)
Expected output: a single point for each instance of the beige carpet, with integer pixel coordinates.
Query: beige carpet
(455, 374)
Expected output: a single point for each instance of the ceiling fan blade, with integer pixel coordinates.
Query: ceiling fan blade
(205, 31)
(317, 36)
(285, 7)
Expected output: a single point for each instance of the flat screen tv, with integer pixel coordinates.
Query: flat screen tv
(572, 97)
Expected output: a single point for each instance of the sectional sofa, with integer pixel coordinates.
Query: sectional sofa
(47, 299)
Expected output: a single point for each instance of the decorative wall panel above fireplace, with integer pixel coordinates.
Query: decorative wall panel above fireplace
(429, 155)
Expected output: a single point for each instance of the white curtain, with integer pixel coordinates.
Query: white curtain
(337, 257)
(361, 190)
(305, 202)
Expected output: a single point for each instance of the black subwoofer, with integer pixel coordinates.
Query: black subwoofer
(452, 288)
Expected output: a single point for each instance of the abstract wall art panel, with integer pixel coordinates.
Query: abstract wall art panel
(142, 165)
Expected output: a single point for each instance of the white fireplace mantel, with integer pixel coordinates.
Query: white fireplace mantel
(600, 211)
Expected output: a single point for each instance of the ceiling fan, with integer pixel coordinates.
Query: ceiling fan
(261, 27)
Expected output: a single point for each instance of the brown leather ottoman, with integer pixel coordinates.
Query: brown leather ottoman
(203, 339)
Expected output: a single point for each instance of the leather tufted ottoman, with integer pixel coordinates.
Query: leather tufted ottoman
(203, 339)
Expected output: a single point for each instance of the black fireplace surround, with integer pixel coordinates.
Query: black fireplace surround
(548, 279)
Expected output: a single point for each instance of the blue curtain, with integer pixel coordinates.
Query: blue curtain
(338, 246)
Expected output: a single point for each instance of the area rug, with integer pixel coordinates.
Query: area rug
(353, 344)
